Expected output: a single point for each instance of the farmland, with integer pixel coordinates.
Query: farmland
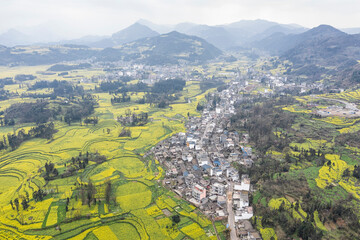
(127, 200)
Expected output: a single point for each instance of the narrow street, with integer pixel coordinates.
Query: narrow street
(231, 217)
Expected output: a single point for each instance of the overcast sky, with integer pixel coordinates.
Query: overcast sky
(99, 17)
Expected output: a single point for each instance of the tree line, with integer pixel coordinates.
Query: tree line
(80, 109)
(40, 111)
(37, 112)
(6, 81)
(61, 89)
(14, 140)
(120, 99)
(4, 94)
(133, 119)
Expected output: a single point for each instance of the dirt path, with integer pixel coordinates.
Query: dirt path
(216, 232)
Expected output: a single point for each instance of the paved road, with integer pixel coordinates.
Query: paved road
(231, 217)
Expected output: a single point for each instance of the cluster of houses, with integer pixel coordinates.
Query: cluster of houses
(150, 74)
(146, 73)
(280, 82)
(202, 164)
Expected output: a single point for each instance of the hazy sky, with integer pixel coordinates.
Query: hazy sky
(80, 17)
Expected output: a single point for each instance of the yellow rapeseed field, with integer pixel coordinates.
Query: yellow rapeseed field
(275, 203)
(104, 233)
(133, 195)
(332, 171)
(20, 175)
(193, 230)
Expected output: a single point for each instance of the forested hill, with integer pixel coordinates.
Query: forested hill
(321, 51)
(323, 45)
(31, 55)
(169, 48)
(164, 49)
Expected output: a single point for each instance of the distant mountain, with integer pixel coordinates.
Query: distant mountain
(284, 29)
(129, 34)
(252, 27)
(44, 55)
(170, 48)
(218, 36)
(325, 46)
(185, 27)
(223, 36)
(318, 51)
(351, 30)
(29, 35)
(13, 37)
(278, 43)
(160, 28)
(233, 34)
(86, 40)
(247, 31)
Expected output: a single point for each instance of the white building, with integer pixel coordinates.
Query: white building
(245, 214)
(217, 188)
(245, 184)
(215, 172)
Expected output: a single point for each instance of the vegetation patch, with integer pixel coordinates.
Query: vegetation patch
(268, 234)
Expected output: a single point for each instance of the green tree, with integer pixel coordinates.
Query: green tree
(16, 202)
(108, 192)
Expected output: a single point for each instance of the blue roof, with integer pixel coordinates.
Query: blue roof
(195, 168)
(206, 166)
(217, 162)
(186, 173)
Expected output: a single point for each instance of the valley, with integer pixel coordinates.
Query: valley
(246, 130)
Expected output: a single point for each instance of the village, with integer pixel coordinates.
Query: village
(200, 165)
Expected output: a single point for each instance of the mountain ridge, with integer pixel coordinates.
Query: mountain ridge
(172, 47)
(131, 33)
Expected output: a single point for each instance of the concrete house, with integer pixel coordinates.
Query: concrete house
(217, 188)
(198, 192)
(216, 172)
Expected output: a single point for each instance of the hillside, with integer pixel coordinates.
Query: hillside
(168, 48)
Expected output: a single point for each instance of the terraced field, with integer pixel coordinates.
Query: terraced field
(136, 208)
